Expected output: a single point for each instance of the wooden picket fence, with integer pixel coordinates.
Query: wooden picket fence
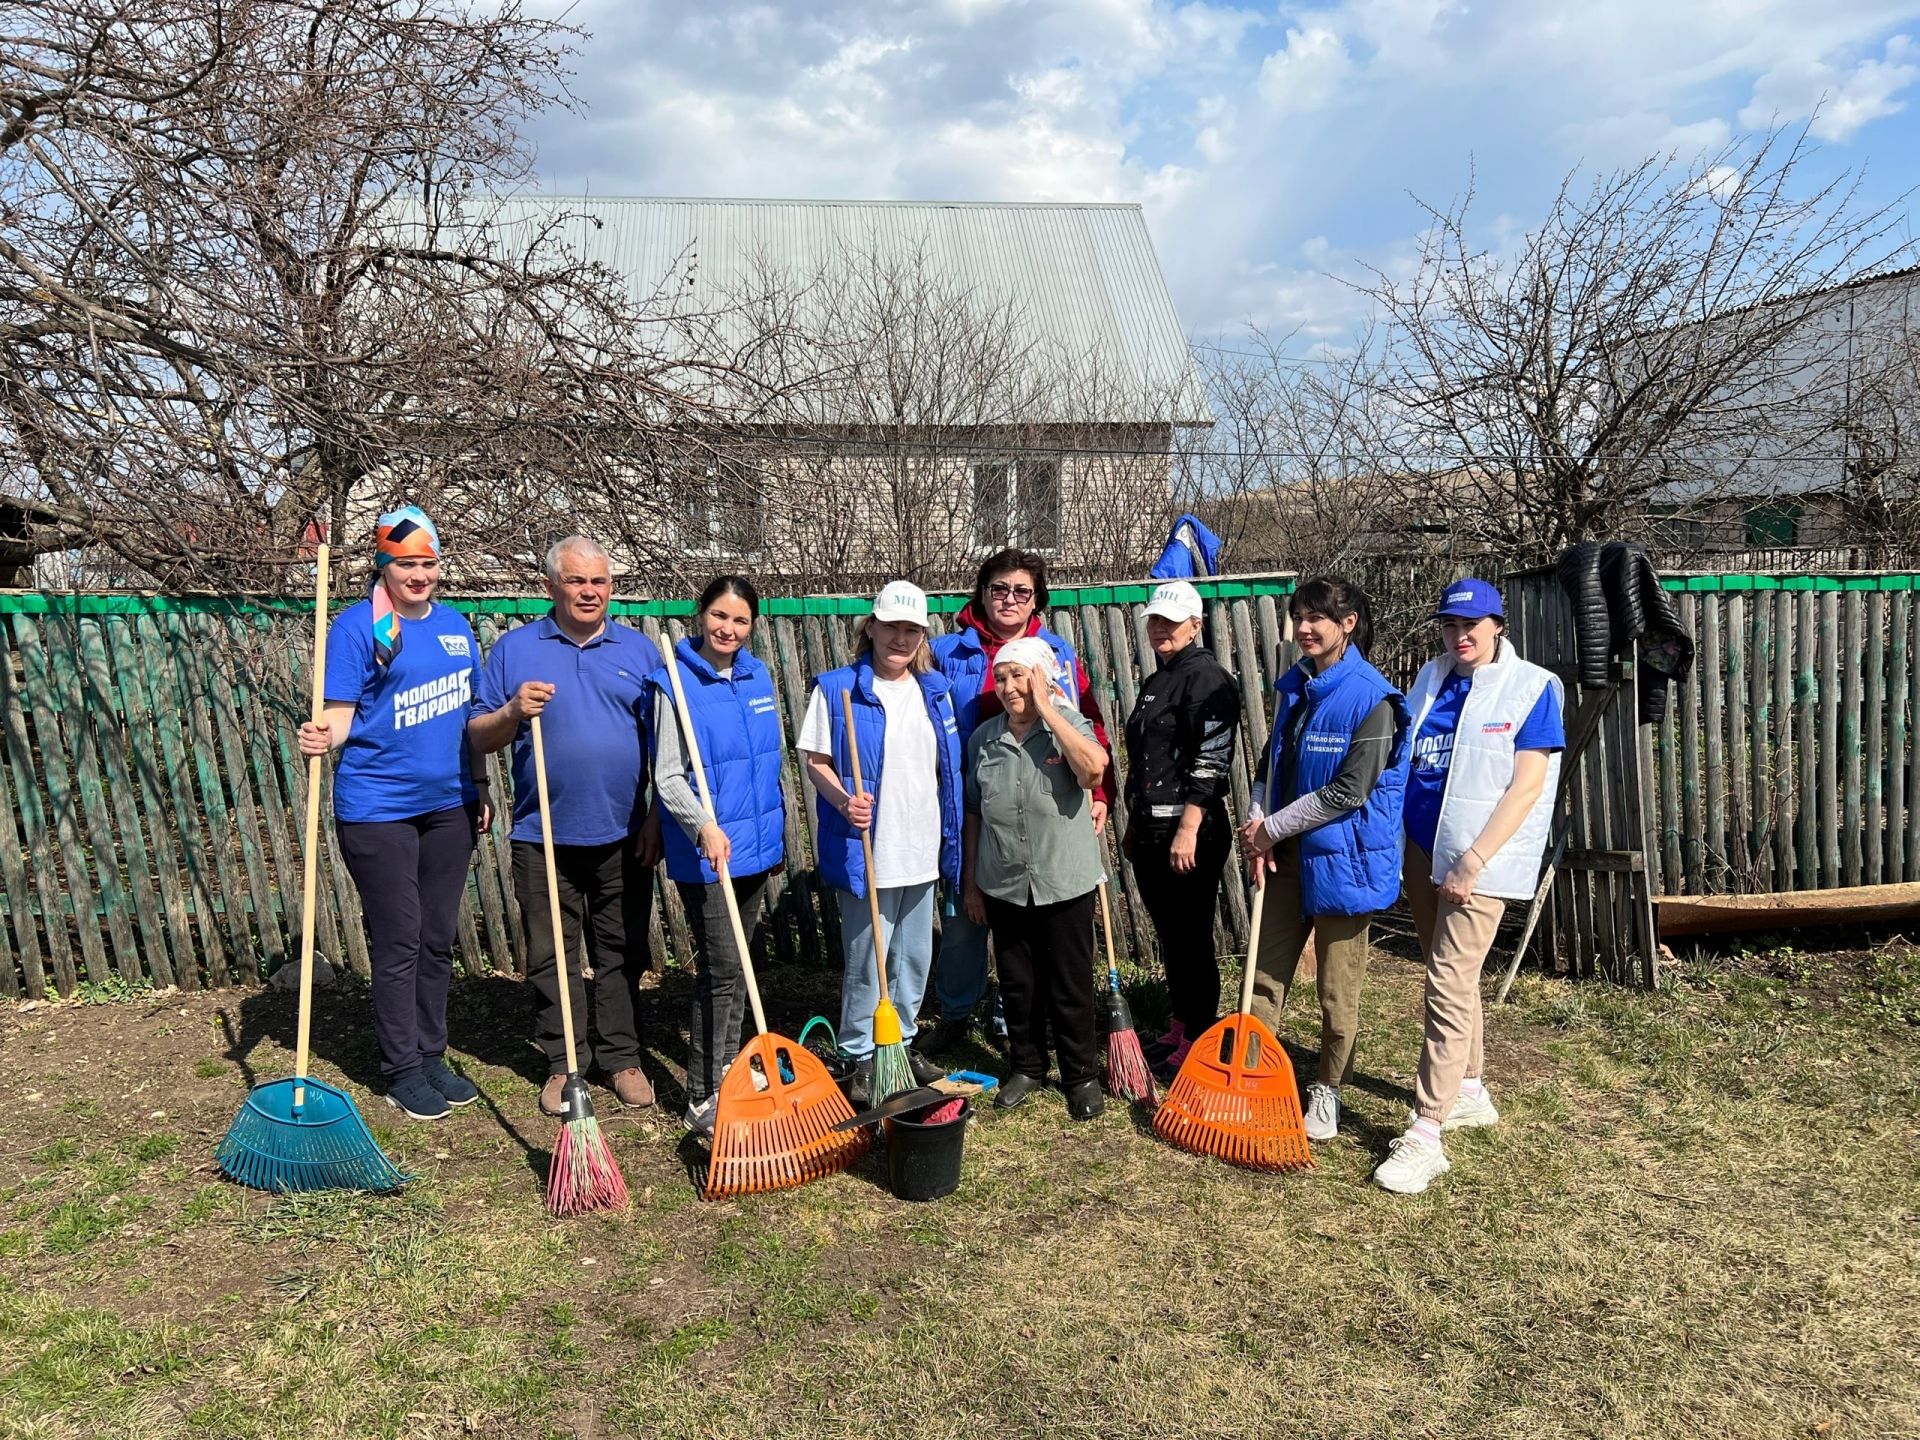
(151, 792)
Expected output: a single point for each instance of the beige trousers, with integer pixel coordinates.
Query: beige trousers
(1340, 952)
(1455, 939)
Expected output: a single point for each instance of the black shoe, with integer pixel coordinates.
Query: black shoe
(946, 1035)
(1015, 1090)
(1084, 1100)
(925, 1071)
(860, 1087)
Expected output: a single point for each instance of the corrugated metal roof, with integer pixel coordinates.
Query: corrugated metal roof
(1084, 279)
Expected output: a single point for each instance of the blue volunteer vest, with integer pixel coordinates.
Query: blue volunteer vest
(842, 863)
(962, 658)
(1349, 866)
(737, 723)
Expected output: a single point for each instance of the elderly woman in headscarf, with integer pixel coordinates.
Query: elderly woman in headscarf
(407, 798)
(1031, 867)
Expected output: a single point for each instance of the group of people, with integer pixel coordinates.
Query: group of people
(984, 781)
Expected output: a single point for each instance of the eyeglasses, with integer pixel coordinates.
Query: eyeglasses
(1000, 590)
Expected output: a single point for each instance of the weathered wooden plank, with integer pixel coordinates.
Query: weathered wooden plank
(1759, 730)
(62, 803)
(1127, 669)
(1739, 740)
(1806, 699)
(1872, 721)
(1220, 639)
(1912, 627)
(492, 867)
(1599, 771)
(1782, 774)
(1254, 685)
(286, 701)
(1692, 798)
(98, 696)
(13, 863)
(102, 844)
(1672, 873)
(1828, 778)
(333, 881)
(187, 680)
(1713, 683)
(1852, 664)
(1899, 663)
(1267, 614)
(1641, 831)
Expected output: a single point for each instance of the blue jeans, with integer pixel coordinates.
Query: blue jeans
(906, 930)
(960, 977)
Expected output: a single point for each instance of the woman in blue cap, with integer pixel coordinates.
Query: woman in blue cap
(407, 798)
(1487, 736)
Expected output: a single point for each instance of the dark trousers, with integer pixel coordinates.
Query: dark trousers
(1182, 908)
(719, 983)
(412, 875)
(608, 894)
(1046, 981)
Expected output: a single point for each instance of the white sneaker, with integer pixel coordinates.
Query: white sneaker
(1469, 1112)
(1411, 1165)
(1322, 1112)
(699, 1118)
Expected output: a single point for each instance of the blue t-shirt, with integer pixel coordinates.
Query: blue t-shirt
(406, 752)
(1543, 729)
(594, 728)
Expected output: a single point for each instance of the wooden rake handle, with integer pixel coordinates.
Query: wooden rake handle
(310, 843)
(1253, 943)
(866, 849)
(561, 971)
(706, 801)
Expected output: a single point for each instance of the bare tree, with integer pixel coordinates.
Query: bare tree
(1635, 343)
(1880, 420)
(249, 280)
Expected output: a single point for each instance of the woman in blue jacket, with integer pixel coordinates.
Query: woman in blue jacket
(1324, 824)
(407, 803)
(736, 718)
(909, 745)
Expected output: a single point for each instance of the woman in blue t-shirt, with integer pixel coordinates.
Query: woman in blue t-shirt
(406, 801)
(1487, 736)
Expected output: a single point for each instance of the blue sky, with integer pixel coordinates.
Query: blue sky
(1274, 149)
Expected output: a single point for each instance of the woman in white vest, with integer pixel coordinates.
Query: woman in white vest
(1487, 736)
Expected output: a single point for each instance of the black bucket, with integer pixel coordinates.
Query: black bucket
(923, 1161)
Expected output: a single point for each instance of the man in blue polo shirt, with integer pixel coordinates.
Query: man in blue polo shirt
(581, 673)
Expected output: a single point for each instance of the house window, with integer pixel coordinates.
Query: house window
(1674, 528)
(1016, 502)
(1773, 524)
(717, 512)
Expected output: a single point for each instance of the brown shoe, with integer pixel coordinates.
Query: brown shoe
(632, 1089)
(550, 1093)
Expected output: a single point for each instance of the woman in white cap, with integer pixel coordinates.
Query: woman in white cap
(909, 746)
(1180, 747)
(1033, 866)
(1487, 736)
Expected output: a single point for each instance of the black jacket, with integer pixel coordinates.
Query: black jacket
(1180, 734)
(1618, 603)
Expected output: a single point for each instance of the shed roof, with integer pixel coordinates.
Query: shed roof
(1084, 279)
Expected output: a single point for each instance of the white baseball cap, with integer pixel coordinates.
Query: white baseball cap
(1176, 600)
(901, 600)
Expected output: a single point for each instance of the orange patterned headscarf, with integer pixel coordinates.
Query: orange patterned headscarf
(406, 532)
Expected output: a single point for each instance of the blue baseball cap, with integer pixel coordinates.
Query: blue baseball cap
(1469, 600)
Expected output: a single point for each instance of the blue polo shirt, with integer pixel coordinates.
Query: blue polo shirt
(406, 752)
(594, 727)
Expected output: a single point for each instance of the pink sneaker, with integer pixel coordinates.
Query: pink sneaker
(1174, 1039)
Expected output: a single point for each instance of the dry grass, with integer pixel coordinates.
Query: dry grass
(1699, 1217)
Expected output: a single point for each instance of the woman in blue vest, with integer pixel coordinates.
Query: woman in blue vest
(909, 745)
(406, 801)
(1324, 824)
(1487, 737)
(736, 719)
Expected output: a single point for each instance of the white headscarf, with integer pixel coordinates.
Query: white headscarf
(1036, 655)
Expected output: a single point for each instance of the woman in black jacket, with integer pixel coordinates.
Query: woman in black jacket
(1179, 746)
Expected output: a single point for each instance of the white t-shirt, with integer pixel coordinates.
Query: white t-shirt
(906, 821)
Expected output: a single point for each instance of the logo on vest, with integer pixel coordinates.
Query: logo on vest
(454, 645)
(1500, 728)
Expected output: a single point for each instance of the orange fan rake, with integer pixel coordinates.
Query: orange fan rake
(777, 1105)
(1235, 1097)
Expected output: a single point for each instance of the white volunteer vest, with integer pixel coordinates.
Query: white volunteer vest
(1503, 694)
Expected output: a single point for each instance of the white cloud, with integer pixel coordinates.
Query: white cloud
(1840, 100)
(1308, 73)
